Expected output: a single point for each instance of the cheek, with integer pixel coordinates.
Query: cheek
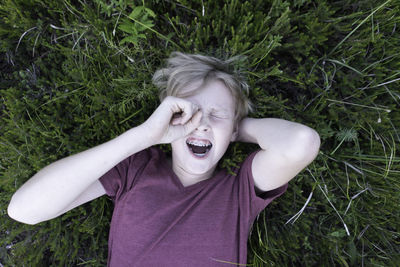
(224, 131)
(228, 126)
(177, 146)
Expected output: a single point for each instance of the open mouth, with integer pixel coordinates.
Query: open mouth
(199, 148)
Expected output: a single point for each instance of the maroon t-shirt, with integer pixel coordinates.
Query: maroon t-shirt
(159, 222)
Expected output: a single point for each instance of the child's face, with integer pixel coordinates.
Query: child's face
(217, 128)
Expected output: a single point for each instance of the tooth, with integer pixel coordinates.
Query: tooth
(198, 144)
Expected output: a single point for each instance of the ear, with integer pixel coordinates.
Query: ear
(235, 132)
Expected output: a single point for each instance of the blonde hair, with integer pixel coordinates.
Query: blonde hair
(184, 69)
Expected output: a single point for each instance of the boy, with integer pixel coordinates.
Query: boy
(182, 211)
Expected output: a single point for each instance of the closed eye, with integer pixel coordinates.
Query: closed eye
(218, 116)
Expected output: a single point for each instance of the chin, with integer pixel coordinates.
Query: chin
(193, 163)
(196, 168)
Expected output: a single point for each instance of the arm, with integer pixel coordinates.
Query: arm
(286, 148)
(53, 189)
(72, 181)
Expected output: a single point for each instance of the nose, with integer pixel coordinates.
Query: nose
(204, 124)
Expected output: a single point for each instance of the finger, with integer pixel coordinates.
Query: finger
(176, 118)
(176, 121)
(196, 119)
(188, 112)
(193, 123)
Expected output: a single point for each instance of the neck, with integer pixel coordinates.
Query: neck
(188, 178)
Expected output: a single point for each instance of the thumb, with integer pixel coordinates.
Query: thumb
(193, 123)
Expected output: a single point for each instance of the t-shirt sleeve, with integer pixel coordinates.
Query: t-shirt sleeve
(122, 177)
(257, 202)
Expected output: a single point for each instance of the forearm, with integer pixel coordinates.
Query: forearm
(278, 135)
(54, 187)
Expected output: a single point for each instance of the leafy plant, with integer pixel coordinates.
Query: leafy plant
(74, 74)
(137, 24)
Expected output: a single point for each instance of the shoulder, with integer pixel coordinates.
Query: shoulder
(148, 154)
(249, 193)
(248, 168)
(246, 164)
(156, 153)
(150, 158)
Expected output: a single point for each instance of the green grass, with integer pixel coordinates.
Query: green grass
(75, 74)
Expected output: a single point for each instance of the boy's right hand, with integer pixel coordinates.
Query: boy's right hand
(174, 118)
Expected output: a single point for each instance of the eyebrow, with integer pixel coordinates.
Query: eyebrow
(218, 107)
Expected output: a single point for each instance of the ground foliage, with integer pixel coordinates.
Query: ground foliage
(75, 74)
